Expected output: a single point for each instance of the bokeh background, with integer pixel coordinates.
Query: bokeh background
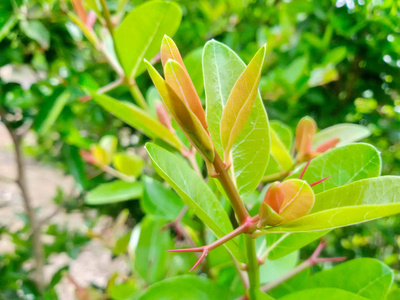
(336, 61)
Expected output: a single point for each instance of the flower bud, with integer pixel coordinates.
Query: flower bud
(305, 132)
(163, 116)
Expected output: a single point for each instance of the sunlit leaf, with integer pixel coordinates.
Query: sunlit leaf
(240, 102)
(221, 68)
(113, 192)
(140, 34)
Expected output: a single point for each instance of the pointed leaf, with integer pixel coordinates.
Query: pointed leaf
(240, 102)
(194, 192)
(185, 118)
(348, 133)
(140, 34)
(137, 118)
(178, 79)
(114, 192)
(344, 165)
(221, 68)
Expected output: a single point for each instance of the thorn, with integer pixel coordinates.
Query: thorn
(319, 181)
(304, 170)
(203, 255)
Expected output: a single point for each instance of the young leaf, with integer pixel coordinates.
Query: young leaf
(221, 68)
(141, 32)
(283, 132)
(240, 102)
(178, 79)
(357, 202)
(343, 165)
(129, 164)
(185, 118)
(114, 192)
(194, 192)
(137, 118)
(347, 133)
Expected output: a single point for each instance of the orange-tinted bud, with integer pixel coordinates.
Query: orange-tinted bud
(79, 9)
(87, 156)
(327, 145)
(305, 132)
(274, 196)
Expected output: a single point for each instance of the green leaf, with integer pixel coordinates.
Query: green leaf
(121, 244)
(283, 132)
(51, 110)
(129, 164)
(194, 192)
(160, 201)
(240, 102)
(221, 68)
(151, 260)
(357, 202)
(281, 244)
(140, 34)
(323, 293)
(75, 165)
(35, 30)
(187, 288)
(137, 118)
(280, 153)
(365, 277)
(109, 144)
(344, 165)
(114, 192)
(348, 133)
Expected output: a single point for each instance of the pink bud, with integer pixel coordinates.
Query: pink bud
(87, 156)
(327, 145)
(91, 19)
(163, 116)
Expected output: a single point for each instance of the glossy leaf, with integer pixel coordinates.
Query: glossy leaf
(348, 133)
(140, 34)
(357, 202)
(323, 293)
(185, 118)
(159, 200)
(240, 102)
(187, 288)
(114, 192)
(151, 260)
(344, 165)
(365, 277)
(129, 164)
(137, 118)
(221, 68)
(194, 192)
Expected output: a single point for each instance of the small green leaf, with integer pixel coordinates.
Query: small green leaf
(129, 164)
(114, 192)
(35, 30)
(221, 68)
(137, 118)
(240, 102)
(187, 288)
(283, 132)
(140, 34)
(160, 201)
(194, 192)
(343, 165)
(348, 133)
